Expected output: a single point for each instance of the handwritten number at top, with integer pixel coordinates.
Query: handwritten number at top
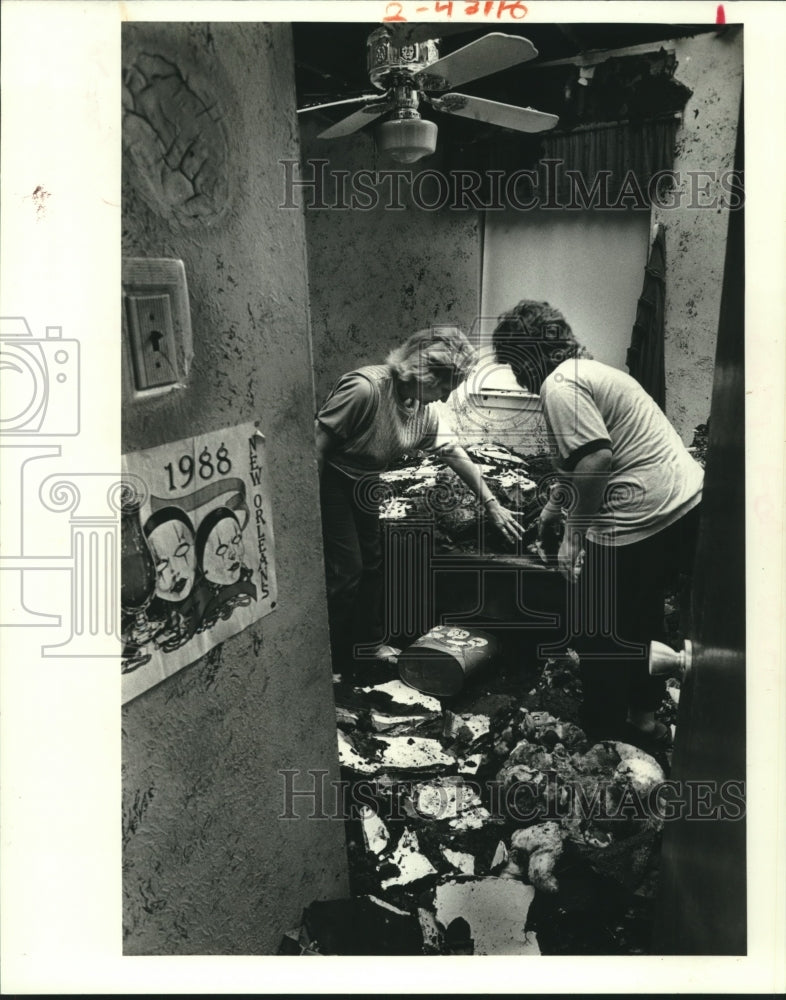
(394, 11)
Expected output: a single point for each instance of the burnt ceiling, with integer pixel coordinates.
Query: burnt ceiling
(330, 61)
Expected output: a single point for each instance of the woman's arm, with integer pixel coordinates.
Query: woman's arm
(588, 480)
(346, 412)
(459, 461)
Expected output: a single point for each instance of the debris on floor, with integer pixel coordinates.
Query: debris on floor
(387, 753)
(346, 719)
(471, 764)
(473, 818)
(396, 694)
(465, 728)
(543, 845)
(413, 753)
(432, 937)
(406, 863)
(500, 858)
(394, 724)
(490, 820)
(495, 910)
(485, 822)
(349, 757)
(443, 799)
(462, 861)
(375, 833)
(297, 942)
(364, 925)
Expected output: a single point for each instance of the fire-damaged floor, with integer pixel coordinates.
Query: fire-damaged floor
(487, 823)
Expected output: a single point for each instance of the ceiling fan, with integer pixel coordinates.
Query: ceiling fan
(408, 70)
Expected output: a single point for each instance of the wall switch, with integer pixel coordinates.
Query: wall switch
(158, 348)
(152, 340)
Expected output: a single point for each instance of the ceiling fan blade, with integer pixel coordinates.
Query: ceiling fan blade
(346, 100)
(355, 121)
(485, 55)
(495, 113)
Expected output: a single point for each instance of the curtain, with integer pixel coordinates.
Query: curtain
(633, 153)
(645, 358)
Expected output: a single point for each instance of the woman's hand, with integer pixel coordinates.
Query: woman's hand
(454, 456)
(503, 520)
(571, 555)
(551, 524)
(551, 527)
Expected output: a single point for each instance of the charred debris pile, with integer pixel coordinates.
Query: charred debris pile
(424, 488)
(487, 823)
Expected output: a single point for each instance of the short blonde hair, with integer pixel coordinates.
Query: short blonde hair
(432, 353)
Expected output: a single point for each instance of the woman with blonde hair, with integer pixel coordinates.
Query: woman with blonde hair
(372, 417)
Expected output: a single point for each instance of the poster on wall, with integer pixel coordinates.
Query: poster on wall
(197, 551)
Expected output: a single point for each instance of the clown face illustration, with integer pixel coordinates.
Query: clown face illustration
(170, 538)
(221, 547)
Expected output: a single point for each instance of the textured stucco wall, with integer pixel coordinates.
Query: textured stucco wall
(208, 866)
(376, 276)
(711, 65)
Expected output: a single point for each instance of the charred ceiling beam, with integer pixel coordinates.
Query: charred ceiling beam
(594, 57)
(572, 36)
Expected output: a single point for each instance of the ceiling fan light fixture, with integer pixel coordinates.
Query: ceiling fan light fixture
(406, 140)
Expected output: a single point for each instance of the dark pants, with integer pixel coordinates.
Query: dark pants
(353, 564)
(615, 610)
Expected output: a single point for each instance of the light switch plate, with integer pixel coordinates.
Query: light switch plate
(152, 340)
(157, 324)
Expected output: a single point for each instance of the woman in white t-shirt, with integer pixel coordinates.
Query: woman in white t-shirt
(626, 506)
(372, 417)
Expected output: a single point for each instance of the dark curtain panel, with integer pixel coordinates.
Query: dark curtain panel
(632, 153)
(645, 354)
